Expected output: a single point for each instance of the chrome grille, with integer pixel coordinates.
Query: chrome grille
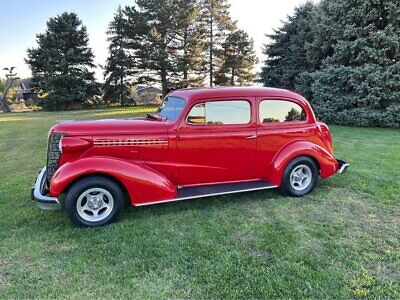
(53, 154)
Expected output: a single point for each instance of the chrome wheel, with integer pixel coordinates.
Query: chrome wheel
(301, 177)
(95, 204)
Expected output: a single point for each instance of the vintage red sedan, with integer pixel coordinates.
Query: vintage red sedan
(199, 143)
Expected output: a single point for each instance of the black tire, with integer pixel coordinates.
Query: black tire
(94, 182)
(287, 189)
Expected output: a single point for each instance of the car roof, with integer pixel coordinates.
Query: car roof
(193, 94)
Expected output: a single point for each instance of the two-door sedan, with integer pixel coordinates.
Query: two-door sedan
(199, 143)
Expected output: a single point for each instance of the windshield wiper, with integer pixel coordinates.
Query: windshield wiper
(151, 116)
(156, 117)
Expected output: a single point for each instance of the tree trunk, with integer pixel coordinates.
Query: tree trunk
(121, 93)
(233, 77)
(211, 43)
(185, 61)
(4, 104)
(164, 82)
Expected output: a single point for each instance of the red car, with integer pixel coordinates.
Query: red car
(199, 143)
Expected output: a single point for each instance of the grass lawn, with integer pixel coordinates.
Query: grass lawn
(342, 241)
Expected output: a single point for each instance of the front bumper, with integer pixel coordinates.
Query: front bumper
(342, 166)
(43, 201)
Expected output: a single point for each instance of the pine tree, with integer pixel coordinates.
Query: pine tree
(191, 44)
(119, 63)
(359, 81)
(238, 59)
(217, 24)
(61, 64)
(153, 27)
(287, 53)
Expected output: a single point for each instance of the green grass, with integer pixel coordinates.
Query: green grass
(342, 241)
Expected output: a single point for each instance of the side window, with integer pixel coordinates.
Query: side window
(276, 111)
(220, 113)
(197, 114)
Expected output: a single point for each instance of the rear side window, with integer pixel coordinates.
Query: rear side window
(277, 111)
(220, 113)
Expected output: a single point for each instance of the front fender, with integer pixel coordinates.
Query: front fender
(142, 183)
(327, 163)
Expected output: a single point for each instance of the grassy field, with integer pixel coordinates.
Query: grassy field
(342, 241)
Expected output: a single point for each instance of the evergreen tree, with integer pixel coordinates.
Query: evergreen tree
(359, 81)
(119, 63)
(238, 60)
(153, 27)
(287, 52)
(61, 62)
(217, 23)
(191, 44)
(2, 84)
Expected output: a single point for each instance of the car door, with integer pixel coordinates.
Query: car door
(216, 142)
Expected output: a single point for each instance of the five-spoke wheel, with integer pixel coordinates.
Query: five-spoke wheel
(300, 177)
(95, 204)
(94, 201)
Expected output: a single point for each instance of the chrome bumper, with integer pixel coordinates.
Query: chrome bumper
(342, 166)
(43, 201)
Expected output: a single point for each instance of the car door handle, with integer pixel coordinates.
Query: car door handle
(251, 137)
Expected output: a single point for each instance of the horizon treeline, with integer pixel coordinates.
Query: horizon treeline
(344, 57)
(176, 44)
(170, 43)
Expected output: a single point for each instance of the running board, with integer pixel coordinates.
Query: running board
(203, 191)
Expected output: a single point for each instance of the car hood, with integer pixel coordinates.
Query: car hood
(110, 127)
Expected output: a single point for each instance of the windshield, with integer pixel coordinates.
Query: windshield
(171, 108)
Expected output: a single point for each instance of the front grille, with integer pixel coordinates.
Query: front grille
(53, 154)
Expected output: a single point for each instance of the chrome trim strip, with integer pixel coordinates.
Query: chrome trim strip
(343, 168)
(129, 142)
(207, 195)
(37, 192)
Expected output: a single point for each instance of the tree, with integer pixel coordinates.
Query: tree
(3, 99)
(287, 53)
(153, 27)
(293, 115)
(217, 23)
(2, 84)
(119, 63)
(61, 62)
(238, 59)
(190, 39)
(358, 83)
(6, 86)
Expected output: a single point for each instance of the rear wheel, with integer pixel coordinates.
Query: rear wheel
(300, 177)
(94, 201)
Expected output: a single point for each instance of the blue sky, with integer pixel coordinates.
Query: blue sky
(23, 19)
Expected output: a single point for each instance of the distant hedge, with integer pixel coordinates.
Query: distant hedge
(344, 56)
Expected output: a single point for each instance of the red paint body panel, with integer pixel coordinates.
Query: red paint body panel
(142, 183)
(152, 158)
(327, 163)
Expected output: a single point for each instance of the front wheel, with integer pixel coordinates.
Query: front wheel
(299, 177)
(94, 201)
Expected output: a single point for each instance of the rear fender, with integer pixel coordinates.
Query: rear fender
(142, 183)
(326, 162)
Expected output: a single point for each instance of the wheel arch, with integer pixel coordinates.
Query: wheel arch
(142, 183)
(105, 175)
(325, 162)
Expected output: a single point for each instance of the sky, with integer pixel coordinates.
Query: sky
(23, 19)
